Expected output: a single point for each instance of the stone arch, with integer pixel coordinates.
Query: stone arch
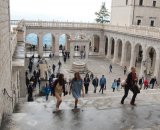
(32, 40)
(138, 56)
(150, 61)
(112, 42)
(96, 43)
(106, 45)
(119, 46)
(48, 41)
(64, 42)
(128, 49)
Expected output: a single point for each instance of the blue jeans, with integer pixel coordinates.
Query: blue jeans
(47, 96)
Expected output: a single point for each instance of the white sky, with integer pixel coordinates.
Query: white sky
(61, 10)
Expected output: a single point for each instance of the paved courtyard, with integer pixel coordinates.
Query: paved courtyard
(96, 111)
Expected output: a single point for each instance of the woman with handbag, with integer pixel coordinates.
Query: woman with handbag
(59, 88)
(130, 85)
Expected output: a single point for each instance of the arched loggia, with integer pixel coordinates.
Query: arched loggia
(119, 45)
(112, 47)
(138, 54)
(150, 60)
(32, 42)
(106, 45)
(96, 43)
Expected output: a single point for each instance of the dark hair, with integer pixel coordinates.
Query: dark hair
(61, 79)
(75, 77)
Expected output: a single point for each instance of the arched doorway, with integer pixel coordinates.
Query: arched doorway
(31, 42)
(150, 61)
(138, 53)
(106, 45)
(112, 47)
(64, 42)
(47, 41)
(96, 42)
(119, 45)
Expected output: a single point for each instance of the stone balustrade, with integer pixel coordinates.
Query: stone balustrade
(135, 30)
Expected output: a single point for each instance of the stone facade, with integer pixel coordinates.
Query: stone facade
(5, 59)
(10, 73)
(135, 12)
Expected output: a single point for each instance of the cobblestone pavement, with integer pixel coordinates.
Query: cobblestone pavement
(96, 111)
(97, 65)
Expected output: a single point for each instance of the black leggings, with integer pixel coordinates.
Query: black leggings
(126, 90)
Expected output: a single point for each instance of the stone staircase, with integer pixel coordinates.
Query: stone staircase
(94, 110)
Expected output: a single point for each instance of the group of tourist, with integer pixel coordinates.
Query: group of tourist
(32, 80)
(145, 83)
(78, 86)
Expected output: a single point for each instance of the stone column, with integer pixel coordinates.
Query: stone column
(87, 51)
(40, 45)
(142, 63)
(157, 64)
(115, 52)
(56, 45)
(123, 58)
(102, 44)
(133, 57)
(53, 44)
(109, 48)
(23, 89)
(92, 44)
(68, 44)
(71, 51)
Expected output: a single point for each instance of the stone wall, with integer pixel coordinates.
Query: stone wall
(5, 59)
(128, 13)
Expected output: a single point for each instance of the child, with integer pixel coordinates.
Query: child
(145, 84)
(47, 91)
(114, 85)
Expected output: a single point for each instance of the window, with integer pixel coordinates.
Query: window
(140, 2)
(154, 3)
(152, 23)
(138, 22)
(126, 2)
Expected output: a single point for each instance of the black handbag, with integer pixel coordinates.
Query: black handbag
(136, 88)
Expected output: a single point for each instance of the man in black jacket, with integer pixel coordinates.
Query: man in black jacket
(95, 83)
(130, 85)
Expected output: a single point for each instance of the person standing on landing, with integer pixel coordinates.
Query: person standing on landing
(76, 88)
(95, 82)
(130, 85)
(86, 84)
(102, 83)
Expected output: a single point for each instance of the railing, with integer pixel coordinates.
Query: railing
(19, 25)
(136, 30)
(58, 24)
(4, 91)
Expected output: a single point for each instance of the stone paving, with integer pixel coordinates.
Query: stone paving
(96, 111)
